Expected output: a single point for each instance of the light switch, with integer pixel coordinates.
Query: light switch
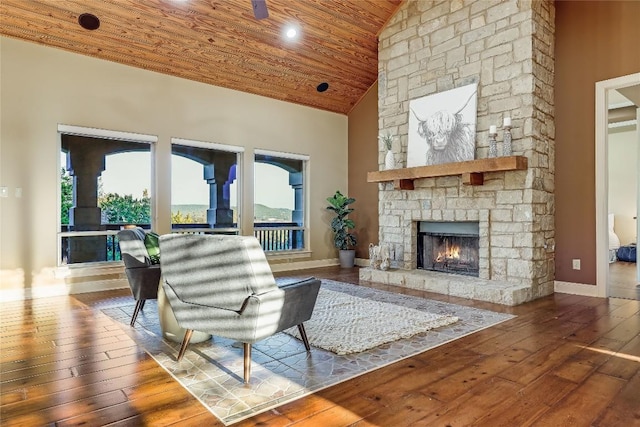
(4, 192)
(18, 192)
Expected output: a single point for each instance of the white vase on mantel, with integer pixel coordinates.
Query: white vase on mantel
(389, 160)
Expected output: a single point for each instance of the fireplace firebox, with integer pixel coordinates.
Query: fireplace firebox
(449, 247)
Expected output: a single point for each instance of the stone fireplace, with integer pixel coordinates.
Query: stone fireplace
(507, 49)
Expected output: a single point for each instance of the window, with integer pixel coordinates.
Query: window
(204, 196)
(279, 200)
(104, 185)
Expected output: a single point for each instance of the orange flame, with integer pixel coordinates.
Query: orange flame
(452, 253)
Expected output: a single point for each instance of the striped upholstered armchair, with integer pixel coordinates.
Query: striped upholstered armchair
(223, 285)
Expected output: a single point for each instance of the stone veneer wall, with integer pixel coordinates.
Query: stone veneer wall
(507, 48)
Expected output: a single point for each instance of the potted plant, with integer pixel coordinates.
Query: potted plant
(342, 238)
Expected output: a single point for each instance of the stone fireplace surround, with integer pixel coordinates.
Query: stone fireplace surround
(491, 285)
(515, 223)
(507, 48)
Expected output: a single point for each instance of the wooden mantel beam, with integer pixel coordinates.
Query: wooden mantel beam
(472, 171)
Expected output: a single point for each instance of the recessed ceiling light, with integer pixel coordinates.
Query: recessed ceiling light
(322, 87)
(89, 21)
(291, 32)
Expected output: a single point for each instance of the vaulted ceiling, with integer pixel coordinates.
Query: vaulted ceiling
(220, 42)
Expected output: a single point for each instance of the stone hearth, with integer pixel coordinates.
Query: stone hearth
(495, 291)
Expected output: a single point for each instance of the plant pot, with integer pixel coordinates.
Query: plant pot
(347, 258)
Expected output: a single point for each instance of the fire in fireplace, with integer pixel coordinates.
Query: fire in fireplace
(450, 247)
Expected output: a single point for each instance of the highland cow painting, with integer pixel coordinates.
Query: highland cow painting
(442, 127)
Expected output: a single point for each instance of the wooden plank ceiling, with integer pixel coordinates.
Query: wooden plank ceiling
(220, 42)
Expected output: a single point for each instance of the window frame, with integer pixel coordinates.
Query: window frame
(105, 134)
(305, 251)
(239, 151)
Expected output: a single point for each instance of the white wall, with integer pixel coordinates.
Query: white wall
(42, 87)
(623, 178)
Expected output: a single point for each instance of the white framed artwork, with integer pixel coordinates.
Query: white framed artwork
(442, 127)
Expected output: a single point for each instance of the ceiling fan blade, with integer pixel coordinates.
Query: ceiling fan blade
(260, 9)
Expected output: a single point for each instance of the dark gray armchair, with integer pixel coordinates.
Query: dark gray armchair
(143, 276)
(223, 285)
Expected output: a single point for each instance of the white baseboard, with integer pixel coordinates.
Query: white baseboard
(576, 289)
(303, 265)
(363, 262)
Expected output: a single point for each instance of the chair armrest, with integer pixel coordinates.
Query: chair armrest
(293, 282)
(299, 301)
(144, 281)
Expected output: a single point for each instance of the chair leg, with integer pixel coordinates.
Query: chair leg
(136, 310)
(142, 306)
(185, 343)
(247, 362)
(303, 334)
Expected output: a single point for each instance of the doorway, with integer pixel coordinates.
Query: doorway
(617, 186)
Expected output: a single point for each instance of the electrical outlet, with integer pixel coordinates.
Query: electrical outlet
(576, 264)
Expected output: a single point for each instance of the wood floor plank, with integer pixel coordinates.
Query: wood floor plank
(469, 407)
(37, 350)
(625, 330)
(542, 361)
(53, 381)
(624, 411)
(402, 408)
(430, 378)
(585, 404)
(92, 356)
(598, 328)
(579, 366)
(626, 308)
(39, 399)
(358, 388)
(158, 409)
(367, 384)
(29, 420)
(481, 369)
(497, 342)
(564, 360)
(339, 415)
(528, 403)
(624, 363)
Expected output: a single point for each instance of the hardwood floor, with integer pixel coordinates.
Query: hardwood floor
(565, 360)
(622, 280)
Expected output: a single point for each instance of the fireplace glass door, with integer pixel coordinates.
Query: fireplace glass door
(450, 249)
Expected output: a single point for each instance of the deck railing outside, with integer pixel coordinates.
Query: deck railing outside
(279, 236)
(101, 246)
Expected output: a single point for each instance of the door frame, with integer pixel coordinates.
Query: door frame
(602, 176)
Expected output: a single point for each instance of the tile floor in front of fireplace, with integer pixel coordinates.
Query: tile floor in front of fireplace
(282, 370)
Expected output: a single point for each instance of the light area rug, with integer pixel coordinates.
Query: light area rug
(345, 324)
(282, 371)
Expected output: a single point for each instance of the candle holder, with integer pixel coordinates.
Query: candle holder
(493, 145)
(506, 145)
